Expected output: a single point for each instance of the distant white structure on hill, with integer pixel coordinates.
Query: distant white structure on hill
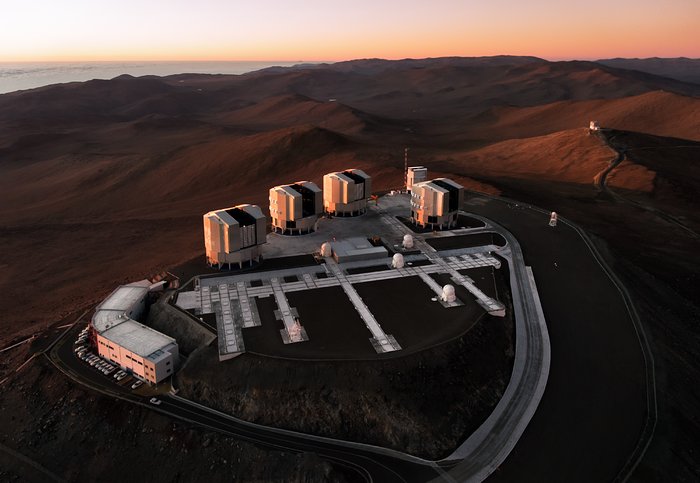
(594, 126)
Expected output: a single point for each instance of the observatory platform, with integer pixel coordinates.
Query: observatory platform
(242, 302)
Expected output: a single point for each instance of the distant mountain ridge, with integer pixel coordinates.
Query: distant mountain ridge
(679, 68)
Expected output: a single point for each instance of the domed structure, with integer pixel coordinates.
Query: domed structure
(448, 294)
(397, 261)
(407, 241)
(326, 250)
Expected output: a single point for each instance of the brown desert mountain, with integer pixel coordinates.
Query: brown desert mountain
(679, 68)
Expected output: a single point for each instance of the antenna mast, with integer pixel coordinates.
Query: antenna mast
(405, 169)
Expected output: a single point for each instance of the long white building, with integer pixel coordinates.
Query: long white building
(234, 236)
(435, 203)
(295, 208)
(118, 336)
(345, 193)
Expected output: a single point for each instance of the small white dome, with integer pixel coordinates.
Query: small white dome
(397, 261)
(326, 250)
(448, 293)
(407, 241)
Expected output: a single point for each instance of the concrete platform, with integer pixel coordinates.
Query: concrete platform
(231, 297)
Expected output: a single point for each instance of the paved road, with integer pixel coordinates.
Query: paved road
(486, 449)
(608, 138)
(595, 408)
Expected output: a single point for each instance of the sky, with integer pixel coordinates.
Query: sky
(314, 30)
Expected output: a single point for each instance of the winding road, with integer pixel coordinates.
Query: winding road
(600, 180)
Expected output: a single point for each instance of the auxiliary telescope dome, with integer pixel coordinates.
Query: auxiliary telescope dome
(326, 250)
(397, 261)
(448, 293)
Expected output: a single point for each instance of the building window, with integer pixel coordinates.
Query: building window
(167, 363)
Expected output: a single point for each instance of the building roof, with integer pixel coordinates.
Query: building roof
(112, 322)
(431, 186)
(351, 175)
(112, 310)
(357, 175)
(448, 182)
(123, 298)
(295, 189)
(138, 338)
(357, 247)
(237, 215)
(309, 185)
(288, 190)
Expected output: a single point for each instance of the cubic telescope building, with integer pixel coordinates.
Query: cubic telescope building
(295, 208)
(234, 236)
(435, 203)
(345, 193)
(415, 174)
(150, 355)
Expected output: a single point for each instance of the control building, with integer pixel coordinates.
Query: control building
(119, 338)
(295, 208)
(435, 203)
(234, 236)
(415, 174)
(345, 193)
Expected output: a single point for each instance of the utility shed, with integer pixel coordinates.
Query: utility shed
(355, 249)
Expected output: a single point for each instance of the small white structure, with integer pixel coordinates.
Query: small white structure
(415, 174)
(294, 332)
(345, 193)
(397, 261)
(553, 219)
(407, 241)
(326, 250)
(448, 294)
(594, 126)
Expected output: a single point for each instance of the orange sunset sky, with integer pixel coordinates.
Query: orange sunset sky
(82, 30)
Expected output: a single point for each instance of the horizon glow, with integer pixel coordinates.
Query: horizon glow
(274, 30)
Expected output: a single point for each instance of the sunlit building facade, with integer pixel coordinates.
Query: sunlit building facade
(345, 193)
(234, 236)
(436, 203)
(295, 208)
